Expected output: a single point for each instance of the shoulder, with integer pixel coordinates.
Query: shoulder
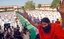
(39, 25)
(55, 25)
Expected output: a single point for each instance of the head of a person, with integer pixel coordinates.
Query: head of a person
(15, 29)
(57, 19)
(25, 30)
(52, 21)
(45, 22)
(0, 26)
(8, 36)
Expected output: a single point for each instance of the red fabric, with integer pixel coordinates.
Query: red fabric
(57, 22)
(56, 32)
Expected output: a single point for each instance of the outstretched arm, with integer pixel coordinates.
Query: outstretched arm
(60, 9)
(26, 16)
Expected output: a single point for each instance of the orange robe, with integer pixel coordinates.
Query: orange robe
(56, 32)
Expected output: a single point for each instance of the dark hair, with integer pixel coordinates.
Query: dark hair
(45, 20)
(57, 19)
(25, 30)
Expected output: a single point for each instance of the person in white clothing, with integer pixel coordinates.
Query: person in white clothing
(6, 23)
(2, 23)
(26, 33)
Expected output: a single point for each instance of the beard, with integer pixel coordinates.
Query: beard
(47, 28)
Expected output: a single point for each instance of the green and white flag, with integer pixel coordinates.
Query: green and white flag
(29, 26)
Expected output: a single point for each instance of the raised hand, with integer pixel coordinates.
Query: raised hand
(61, 11)
(61, 8)
(25, 14)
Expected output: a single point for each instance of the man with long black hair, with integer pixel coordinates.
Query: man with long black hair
(46, 29)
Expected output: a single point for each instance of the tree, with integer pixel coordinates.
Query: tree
(22, 8)
(30, 5)
(55, 3)
(39, 5)
(5, 9)
(60, 8)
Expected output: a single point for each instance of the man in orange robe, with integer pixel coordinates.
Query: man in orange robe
(51, 31)
(46, 29)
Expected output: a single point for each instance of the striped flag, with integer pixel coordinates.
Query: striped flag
(29, 26)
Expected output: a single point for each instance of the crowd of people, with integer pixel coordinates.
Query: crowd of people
(14, 33)
(41, 14)
(37, 21)
(46, 29)
(10, 28)
(34, 16)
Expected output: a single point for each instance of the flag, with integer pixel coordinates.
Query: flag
(29, 26)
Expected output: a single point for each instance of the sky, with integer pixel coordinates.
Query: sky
(22, 2)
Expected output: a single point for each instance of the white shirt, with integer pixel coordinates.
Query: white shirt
(0, 21)
(26, 36)
(14, 17)
(37, 32)
(1, 31)
(6, 20)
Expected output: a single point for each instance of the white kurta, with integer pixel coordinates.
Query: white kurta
(26, 36)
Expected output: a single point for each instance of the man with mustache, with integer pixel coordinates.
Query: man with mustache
(46, 29)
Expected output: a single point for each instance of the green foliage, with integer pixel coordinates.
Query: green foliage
(39, 5)
(5, 9)
(55, 3)
(30, 5)
(22, 8)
